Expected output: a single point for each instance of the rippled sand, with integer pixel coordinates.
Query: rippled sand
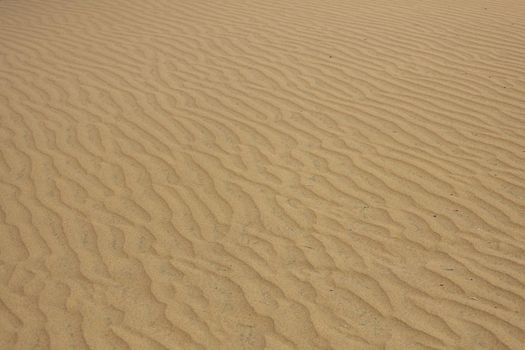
(197, 174)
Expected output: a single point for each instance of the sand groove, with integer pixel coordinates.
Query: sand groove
(262, 174)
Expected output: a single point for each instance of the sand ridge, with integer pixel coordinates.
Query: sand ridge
(246, 174)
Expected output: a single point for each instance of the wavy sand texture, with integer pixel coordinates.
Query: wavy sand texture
(242, 174)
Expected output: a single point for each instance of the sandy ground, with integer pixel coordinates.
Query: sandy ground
(241, 174)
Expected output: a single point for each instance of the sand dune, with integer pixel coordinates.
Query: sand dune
(246, 174)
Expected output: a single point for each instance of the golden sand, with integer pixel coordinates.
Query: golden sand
(249, 174)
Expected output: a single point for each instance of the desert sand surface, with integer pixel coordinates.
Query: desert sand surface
(242, 174)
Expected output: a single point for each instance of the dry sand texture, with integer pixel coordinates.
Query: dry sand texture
(196, 174)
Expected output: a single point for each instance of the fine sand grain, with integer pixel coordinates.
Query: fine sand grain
(262, 174)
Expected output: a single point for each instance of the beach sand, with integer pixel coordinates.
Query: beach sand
(242, 174)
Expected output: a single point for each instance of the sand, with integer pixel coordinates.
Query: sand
(242, 174)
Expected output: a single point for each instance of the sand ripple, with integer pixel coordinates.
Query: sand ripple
(242, 174)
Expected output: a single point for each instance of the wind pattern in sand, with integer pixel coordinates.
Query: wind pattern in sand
(242, 174)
